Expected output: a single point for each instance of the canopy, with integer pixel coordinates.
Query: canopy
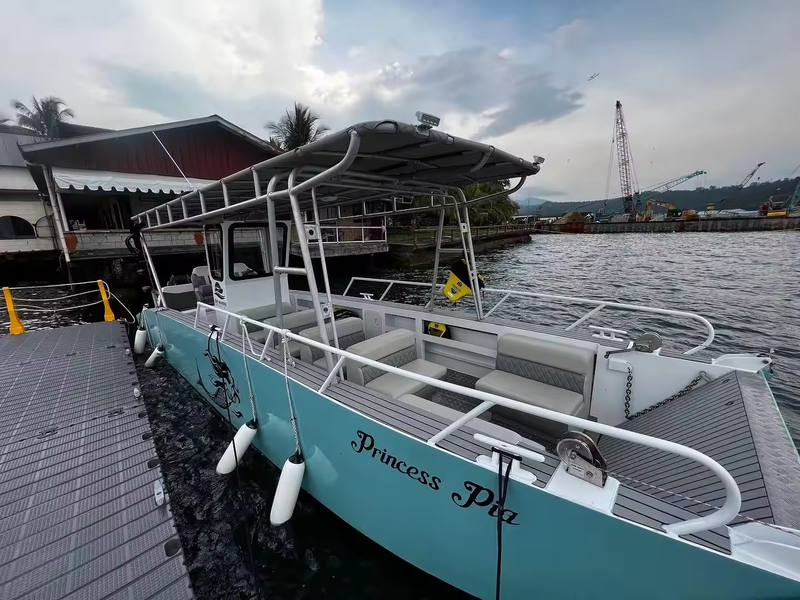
(110, 181)
(402, 159)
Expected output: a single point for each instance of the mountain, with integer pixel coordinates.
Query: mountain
(529, 206)
(748, 198)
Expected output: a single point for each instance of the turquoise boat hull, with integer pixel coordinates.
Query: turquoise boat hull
(414, 500)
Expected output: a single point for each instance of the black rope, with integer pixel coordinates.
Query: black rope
(502, 492)
(253, 567)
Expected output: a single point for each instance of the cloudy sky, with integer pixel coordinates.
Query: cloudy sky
(705, 84)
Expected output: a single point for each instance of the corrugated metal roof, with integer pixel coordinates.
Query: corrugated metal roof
(10, 155)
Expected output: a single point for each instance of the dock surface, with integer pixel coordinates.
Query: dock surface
(78, 468)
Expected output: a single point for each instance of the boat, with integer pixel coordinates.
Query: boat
(510, 458)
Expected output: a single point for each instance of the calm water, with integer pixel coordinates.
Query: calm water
(745, 283)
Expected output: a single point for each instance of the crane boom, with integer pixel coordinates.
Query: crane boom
(627, 175)
(668, 185)
(747, 179)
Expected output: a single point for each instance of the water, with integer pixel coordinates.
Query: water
(745, 283)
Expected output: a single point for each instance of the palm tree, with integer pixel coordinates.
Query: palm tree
(296, 128)
(45, 117)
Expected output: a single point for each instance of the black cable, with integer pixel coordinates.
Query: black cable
(502, 492)
(253, 567)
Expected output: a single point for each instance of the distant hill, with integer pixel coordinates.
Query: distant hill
(748, 198)
(529, 206)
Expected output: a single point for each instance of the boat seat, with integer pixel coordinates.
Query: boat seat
(546, 374)
(396, 348)
(350, 331)
(477, 424)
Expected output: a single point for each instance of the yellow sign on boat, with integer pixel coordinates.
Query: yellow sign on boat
(455, 289)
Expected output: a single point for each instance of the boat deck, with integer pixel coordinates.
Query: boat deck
(733, 420)
(78, 516)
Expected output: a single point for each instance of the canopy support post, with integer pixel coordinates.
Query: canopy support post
(273, 241)
(435, 277)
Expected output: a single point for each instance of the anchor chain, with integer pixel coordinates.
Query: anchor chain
(692, 384)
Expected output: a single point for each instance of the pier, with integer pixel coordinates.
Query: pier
(83, 513)
(701, 225)
(410, 248)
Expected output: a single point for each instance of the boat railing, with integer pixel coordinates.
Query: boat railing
(718, 518)
(343, 234)
(597, 304)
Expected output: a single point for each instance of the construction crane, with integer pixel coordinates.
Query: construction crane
(667, 185)
(627, 173)
(747, 179)
(794, 199)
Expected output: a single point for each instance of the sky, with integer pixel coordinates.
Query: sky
(705, 85)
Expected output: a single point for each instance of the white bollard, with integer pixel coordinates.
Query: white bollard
(152, 358)
(241, 441)
(288, 490)
(139, 341)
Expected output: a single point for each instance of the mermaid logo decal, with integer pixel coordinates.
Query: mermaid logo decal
(225, 393)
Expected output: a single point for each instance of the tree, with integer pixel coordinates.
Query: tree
(45, 117)
(499, 210)
(296, 128)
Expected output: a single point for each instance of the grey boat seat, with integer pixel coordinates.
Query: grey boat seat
(396, 348)
(350, 331)
(450, 414)
(293, 320)
(546, 374)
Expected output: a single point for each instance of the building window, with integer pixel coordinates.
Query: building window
(249, 250)
(213, 237)
(16, 228)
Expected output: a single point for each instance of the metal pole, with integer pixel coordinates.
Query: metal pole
(476, 291)
(312, 281)
(152, 269)
(57, 220)
(62, 211)
(436, 258)
(273, 241)
(325, 279)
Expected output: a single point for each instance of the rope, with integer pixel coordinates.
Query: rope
(55, 299)
(502, 492)
(247, 369)
(52, 310)
(34, 287)
(285, 342)
(112, 295)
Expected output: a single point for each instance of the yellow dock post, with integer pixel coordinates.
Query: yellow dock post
(16, 327)
(109, 316)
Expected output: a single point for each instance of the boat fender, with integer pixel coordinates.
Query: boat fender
(289, 484)
(159, 350)
(241, 441)
(139, 340)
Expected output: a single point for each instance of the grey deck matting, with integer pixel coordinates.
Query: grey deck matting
(78, 517)
(712, 419)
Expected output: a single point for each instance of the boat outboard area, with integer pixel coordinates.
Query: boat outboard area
(479, 434)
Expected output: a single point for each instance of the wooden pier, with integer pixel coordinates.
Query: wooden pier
(81, 514)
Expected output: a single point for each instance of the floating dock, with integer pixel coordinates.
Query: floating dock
(79, 474)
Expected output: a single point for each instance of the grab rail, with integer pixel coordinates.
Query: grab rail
(723, 515)
(598, 306)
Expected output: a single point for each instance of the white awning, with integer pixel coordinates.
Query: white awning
(110, 181)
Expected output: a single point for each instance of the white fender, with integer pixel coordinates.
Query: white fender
(139, 341)
(152, 358)
(288, 489)
(242, 440)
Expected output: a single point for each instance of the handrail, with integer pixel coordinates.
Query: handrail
(723, 515)
(598, 304)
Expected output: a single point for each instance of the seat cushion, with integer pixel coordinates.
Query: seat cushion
(295, 321)
(396, 385)
(350, 331)
(530, 391)
(477, 424)
(395, 348)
